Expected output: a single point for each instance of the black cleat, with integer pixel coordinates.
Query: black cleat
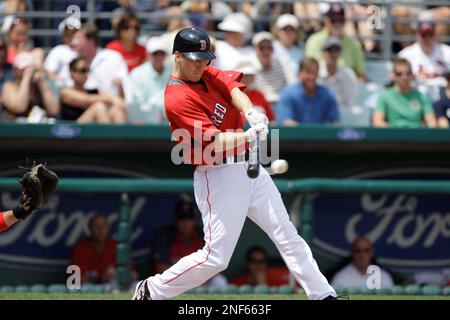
(339, 297)
(141, 292)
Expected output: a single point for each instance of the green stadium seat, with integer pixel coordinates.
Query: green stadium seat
(431, 290)
(340, 290)
(413, 289)
(398, 290)
(231, 289)
(6, 289)
(245, 289)
(57, 288)
(22, 288)
(261, 289)
(38, 288)
(446, 291)
(286, 289)
(87, 288)
(200, 290)
(353, 290)
(215, 290)
(99, 288)
(367, 291)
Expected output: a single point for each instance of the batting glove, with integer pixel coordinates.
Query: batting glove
(255, 117)
(251, 133)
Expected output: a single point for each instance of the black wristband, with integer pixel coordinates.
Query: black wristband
(21, 213)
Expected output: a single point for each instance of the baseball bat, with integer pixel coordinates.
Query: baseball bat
(253, 159)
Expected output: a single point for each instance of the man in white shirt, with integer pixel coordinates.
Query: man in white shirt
(108, 70)
(339, 79)
(237, 29)
(428, 58)
(148, 85)
(356, 274)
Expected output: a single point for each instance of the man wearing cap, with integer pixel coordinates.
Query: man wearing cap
(148, 83)
(428, 58)
(271, 76)
(286, 49)
(237, 29)
(340, 79)
(352, 55)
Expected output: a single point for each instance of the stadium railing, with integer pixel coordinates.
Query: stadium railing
(385, 34)
(308, 188)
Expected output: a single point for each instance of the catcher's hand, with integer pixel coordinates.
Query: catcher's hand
(38, 183)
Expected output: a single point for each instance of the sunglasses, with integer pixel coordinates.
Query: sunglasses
(333, 49)
(82, 70)
(399, 73)
(361, 250)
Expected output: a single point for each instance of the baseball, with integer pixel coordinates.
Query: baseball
(279, 166)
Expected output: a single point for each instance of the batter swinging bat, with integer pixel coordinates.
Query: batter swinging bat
(253, 159)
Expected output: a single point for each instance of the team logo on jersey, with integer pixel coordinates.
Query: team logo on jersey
(202, 45)
(218, 114)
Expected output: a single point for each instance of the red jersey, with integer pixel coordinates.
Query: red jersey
(203, 109)
(259, 103)
(3, 225)
(86, 256)
(133, 58)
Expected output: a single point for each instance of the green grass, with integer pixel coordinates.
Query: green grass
(76, 296)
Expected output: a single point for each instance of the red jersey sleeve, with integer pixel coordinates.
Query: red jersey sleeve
(187, 115)
(224, 81)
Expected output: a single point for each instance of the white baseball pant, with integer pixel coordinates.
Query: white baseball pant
(225, 196)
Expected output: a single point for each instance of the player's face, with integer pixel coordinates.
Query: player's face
(190, 70)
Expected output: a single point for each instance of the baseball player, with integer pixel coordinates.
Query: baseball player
(202, 98)
(38, 183)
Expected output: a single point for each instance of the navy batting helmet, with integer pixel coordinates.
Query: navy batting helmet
(194, 44)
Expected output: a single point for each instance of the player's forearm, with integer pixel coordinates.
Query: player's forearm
(228, 140)
(7, 219)
(240, 100)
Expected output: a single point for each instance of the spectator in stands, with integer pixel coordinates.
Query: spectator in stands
(148, 85)
(237, 29)
(127, 32)
(306, 101)
(19, 41)
(402, 105)
(8, 10)
(286, 50)
(177, 240)
(271, 75)
(428, 58)
(256, 97)
(442, 106)
(355, 274)
(88, 105)
(6, 70)
(61, 55)
(352, 53)
(96, 254)
(30, 88)
(108, 70)
(340, 79)
(259, 272)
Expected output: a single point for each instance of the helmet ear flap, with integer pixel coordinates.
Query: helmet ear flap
(209, 62)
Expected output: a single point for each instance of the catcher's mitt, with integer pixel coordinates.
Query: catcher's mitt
(38, 183)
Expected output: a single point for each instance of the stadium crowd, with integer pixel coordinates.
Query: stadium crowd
(299, 69)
